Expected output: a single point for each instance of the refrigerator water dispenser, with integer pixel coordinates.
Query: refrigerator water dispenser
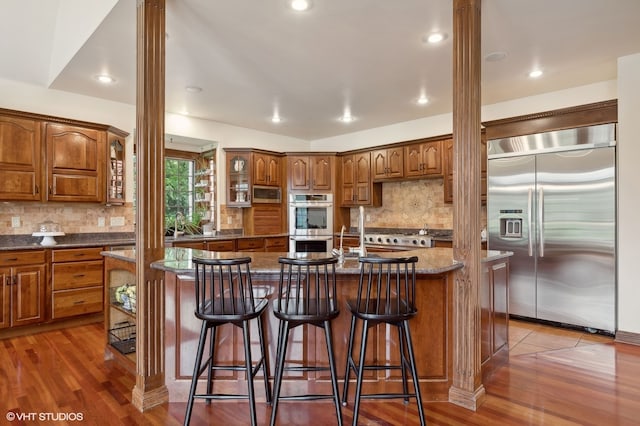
(511, 228)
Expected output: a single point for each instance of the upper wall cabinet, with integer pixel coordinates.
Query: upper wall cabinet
(266, 169)
(310, 172)
(45, 158)
(387, 163)
(75, 157)
(20, 159)
(423, 159)
(358, 188)
(448, 153)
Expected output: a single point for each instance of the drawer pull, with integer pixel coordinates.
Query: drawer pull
(78, 276)
(78, 302)
(11, 259)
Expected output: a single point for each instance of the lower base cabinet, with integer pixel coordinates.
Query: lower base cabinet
(22, 288)
(494, 316)
(76, 282)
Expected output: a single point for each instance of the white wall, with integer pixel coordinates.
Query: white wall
(442, 124)
(628, 193)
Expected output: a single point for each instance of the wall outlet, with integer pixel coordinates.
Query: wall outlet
(229, 220)
(15, 221)
(117, 221)
(101, 222)
(368, 218)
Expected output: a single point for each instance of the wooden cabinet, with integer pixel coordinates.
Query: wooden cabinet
(20, 159)
(263, 219)
(250, 244)
(45, 158)
(246, 168)
(449, 169)
(357, 188)
(423, 159)
(238, 179)
(447, 147)
(266, 169)
(311, 172)
(220, 245)
(494, 316)
(116, 168)
(22, 287)
(76, 282)
(75, 163)
(198, 244)
(387, 163)
(276, 244)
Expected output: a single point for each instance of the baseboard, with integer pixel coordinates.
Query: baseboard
(628, 337)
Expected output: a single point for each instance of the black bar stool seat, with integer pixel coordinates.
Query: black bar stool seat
(224, 295)
(386, 295)
(306, 295)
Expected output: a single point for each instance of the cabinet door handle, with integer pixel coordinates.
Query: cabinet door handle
(8, 280)
(37, 188)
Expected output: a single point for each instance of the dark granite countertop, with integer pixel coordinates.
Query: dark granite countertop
(179, 260)
(29, 242)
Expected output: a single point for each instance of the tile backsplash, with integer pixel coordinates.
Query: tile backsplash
(411, 204)
(73, 218)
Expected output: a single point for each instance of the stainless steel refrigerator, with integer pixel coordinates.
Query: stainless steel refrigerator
(552, 202)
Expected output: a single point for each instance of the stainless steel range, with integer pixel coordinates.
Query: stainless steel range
(398, 241)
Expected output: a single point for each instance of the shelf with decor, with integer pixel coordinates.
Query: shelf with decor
(204, 186)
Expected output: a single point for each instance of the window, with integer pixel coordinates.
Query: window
(189, 189)
(179, 190)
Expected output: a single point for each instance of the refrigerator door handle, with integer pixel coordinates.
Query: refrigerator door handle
(529, 220)
(541, 220)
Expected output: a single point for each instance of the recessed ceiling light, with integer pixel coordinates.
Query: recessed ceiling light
(347, 118)
(105, 79)
(276, 118)
(535, 73)
(422, 100)
(495, 56)
(300, 5)
(193, 89)
(434, 38)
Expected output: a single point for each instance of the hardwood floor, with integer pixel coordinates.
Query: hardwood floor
(567, 379)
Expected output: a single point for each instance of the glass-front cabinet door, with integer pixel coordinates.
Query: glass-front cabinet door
(238, 179)
(116, 170)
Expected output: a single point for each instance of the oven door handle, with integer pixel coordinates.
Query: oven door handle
(310, 238)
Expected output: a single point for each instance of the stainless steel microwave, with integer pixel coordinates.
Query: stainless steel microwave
(266, 194)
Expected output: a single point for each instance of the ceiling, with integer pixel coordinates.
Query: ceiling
(254, 57)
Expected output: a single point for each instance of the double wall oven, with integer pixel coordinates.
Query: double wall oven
(310, 222)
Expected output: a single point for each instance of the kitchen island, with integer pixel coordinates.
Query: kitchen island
(432, 330)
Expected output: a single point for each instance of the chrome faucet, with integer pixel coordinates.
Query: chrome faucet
(179, 220)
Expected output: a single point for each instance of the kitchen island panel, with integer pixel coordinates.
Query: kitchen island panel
(431, 333)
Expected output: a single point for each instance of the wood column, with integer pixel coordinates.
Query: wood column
(467, 389)
(150, 389)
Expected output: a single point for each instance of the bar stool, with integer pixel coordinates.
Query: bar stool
(224, 295)
(306, 295)
(386, 295)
